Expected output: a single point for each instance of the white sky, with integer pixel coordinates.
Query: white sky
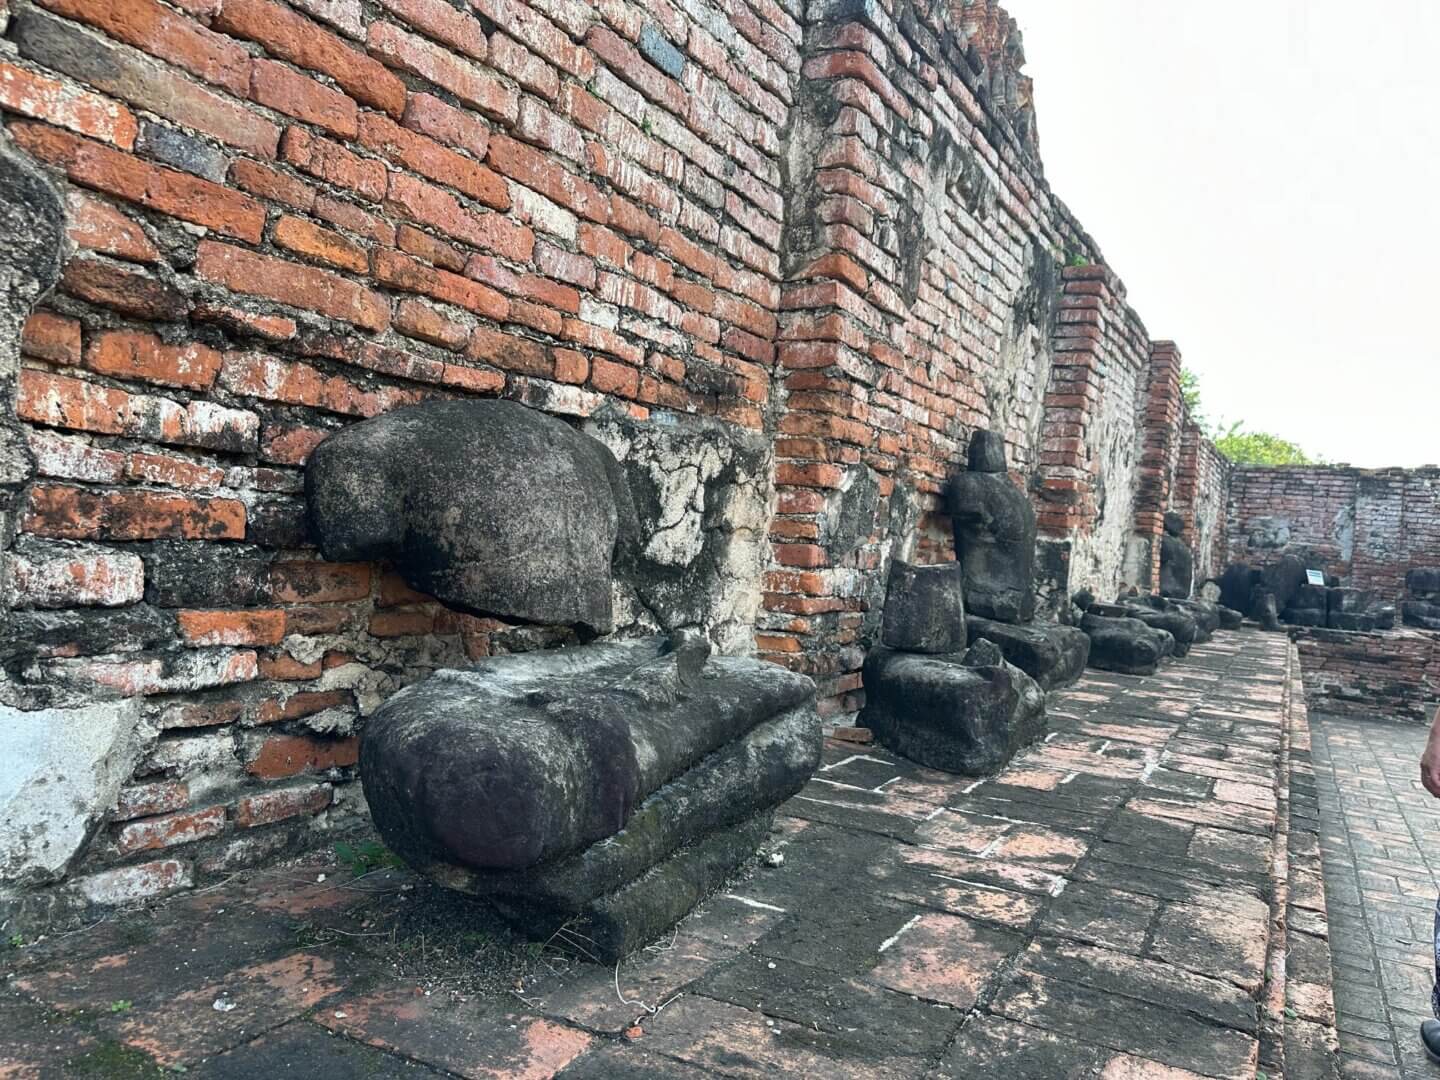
(1265, 178)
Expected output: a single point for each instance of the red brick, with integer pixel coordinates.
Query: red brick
(526, 165)
(246, 323)
(429, 115)
(272, 806)
(419, 320)
(290, 444)
(232, 627)
(178, 194)
(145, 800)
(510, 352)
(329, 161)
(127, 884)
(286, 667)
(51, 337)
(271, 184)
(72, 459)
(623, 59)
(394, 592)
(82, 578)
(476, 380)
(349, 216)
(429, 158)
(45, 99)
(299, 384)
(522, 65)
(98, 226)
(612, 378)
(303, 704)
(387, 624)
(526, 23)
(424, 246)
(160, 32)
(319, 582)
(126, 354)
(571, 366)
(308, 239)
(556, 262)
(474, 86)
(430, 205)
(291, 283)
(401, 272)
(123, 288)
(439, 20)
(802, 555)
(283, 756)
(171, 830)
(290, 36)
(173, 472)
(77, 513)
(209, 714)
(293, 94)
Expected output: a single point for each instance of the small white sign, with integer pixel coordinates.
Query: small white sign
(1315, 577)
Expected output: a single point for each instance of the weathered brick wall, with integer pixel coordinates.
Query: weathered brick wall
(286, 217)
(1391, 674)
(1366, 526)
(782, 262)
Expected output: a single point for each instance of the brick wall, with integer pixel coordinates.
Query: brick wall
(1393, 674)
(1366, 526)
(798, 256)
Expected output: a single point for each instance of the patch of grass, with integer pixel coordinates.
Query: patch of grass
(121, 1005)
(365, 856)
(17, 941)
(115, 1061)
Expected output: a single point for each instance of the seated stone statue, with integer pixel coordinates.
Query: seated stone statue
(962, 711)
(1180, 626)
(994, 527)
(1421, 606)
(610, 787)
(1177, 564)
(489, 506)
(1125, 645)
(1205, 615)
(1308, 606)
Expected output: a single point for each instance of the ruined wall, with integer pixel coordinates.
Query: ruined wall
(782, 262)
(283, 218)
(1366, 526)
(1387, 675)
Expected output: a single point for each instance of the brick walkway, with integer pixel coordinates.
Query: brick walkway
(1096, 910)
(1381, 845)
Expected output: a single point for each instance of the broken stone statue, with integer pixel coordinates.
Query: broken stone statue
(1119, 642)
(1421, 606)
(1177, 564)
(962, 711)
(607, 787)
(994, 526)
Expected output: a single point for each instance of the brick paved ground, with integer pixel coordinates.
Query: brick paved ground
(1096, 910)
(1381, 845)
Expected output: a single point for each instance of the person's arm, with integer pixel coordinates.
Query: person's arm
(1430, 760)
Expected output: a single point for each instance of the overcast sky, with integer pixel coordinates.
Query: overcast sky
(1265, 178)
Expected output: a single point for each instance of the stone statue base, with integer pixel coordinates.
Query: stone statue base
(1051, 654)
(1125, 645)
(606, 788)
(964, 713)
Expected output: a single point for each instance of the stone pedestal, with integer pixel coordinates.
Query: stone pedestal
(1052, 655)
(964, 713)
(607, 787)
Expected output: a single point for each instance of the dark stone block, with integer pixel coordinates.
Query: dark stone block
(1126, 645)
(1205, 614)
(175, 148)
(924, 608)
(1052, 655)
(1421, 613)
(1230, 619)
(1177, 564)
(608, 786)
(1384, 617)
(1423, 581)
(86, 632)
(1343, 620)
(491, 507)
(1308, 607)
(964, 714)
(1237, 586)
(181, 573)
(1283, 579)
(658, 50)
(994, 526)
(1180, 626)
